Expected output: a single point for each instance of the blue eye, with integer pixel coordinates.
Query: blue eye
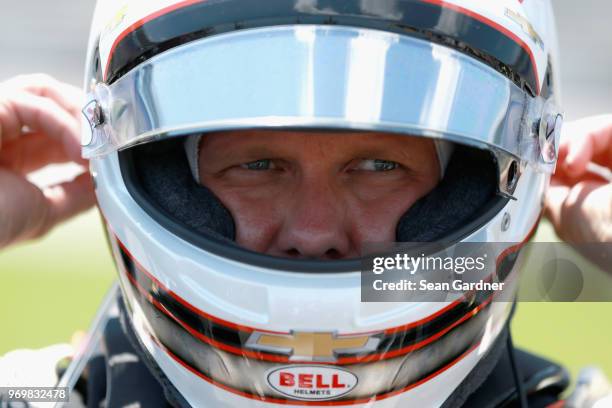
(377, 165)
(258, 165)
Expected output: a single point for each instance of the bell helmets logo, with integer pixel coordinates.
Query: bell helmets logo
(312, 382)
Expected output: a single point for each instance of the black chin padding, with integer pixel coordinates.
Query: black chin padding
(166, 177)
(468, 187)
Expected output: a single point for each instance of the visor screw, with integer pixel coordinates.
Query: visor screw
(98, 116)
(512, 177)
(505, 222)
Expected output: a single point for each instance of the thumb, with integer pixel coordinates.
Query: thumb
(556, 197)
(584, 140)
(27, 212)
(23, 209)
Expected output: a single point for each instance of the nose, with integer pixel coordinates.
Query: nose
(314, 224)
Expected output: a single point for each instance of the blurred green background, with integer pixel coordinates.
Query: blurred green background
(51, 288)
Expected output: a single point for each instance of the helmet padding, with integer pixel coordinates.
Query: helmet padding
(467, 188)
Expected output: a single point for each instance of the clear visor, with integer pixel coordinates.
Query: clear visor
(325, 78)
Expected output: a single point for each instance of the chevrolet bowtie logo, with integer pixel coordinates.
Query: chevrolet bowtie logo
(312, 346)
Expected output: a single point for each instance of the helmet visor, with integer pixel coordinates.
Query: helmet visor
(318, 77)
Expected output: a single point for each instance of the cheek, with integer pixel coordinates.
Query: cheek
(376, 220)
(257, 219)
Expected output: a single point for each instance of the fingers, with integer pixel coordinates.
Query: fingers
(27, 212)
(69, 199)
(579, 201)
(23, 209)
(39, 125)
(584, 141)
(42, 115)
(581, 213)
(31, 152)
(67, 96)
(553, 205)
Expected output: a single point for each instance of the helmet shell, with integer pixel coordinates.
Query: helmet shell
(199, 314)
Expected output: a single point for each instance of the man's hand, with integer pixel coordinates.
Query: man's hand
(579, 202)
(39, 125)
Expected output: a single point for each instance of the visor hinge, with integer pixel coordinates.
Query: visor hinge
(548, 132)
(96, 133)
(549, 135)
(94, 114)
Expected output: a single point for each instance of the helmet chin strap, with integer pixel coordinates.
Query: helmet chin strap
(516, 374)
(444, 151)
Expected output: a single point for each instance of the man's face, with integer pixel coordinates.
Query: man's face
(316, 195)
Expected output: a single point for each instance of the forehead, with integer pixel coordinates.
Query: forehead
(338, 138)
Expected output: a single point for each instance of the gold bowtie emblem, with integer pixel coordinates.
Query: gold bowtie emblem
(312, 346)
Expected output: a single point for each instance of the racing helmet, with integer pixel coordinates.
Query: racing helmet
(223, 326)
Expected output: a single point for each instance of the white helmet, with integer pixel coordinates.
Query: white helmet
(228, 327)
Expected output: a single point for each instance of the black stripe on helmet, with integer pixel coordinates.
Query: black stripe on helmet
(434, 22)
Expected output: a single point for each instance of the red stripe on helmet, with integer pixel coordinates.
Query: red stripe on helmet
(496, 26)
(143, 21)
